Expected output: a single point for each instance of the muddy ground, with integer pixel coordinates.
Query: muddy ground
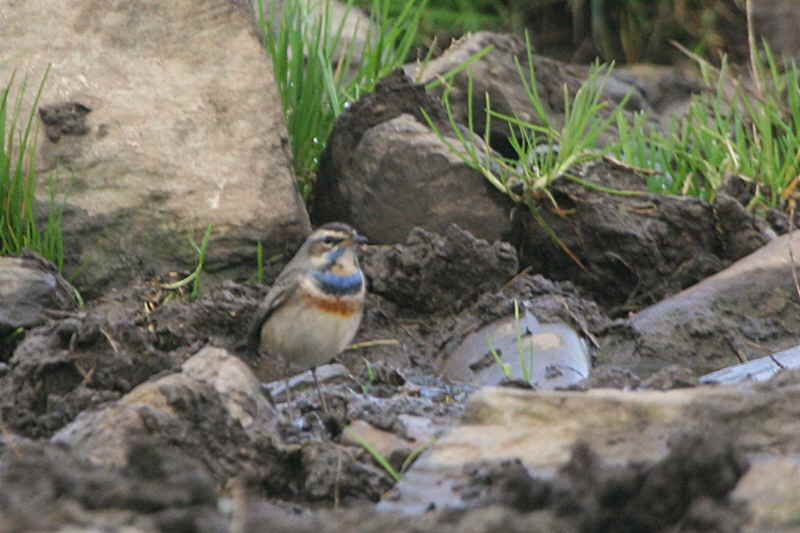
(298, 472)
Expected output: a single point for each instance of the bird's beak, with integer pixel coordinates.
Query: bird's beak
(356, 240)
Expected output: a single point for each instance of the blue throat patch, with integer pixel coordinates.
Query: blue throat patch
(334, 256)
(339, 285)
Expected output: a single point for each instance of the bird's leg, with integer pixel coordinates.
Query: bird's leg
(319, 391)
(288, 396)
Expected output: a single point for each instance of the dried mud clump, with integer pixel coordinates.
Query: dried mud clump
(690, 487)
(159, 490)
(435, 273)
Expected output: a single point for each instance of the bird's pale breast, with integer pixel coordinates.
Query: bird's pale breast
(312, 328)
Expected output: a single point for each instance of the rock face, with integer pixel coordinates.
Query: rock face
(385, 171)
(160, 118)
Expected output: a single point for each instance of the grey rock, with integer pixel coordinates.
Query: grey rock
(567, 434)
(180, 127)
(385, 171)
(760, 369)
(29, 285)
(236, 384)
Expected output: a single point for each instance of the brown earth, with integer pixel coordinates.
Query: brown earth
(79, 362)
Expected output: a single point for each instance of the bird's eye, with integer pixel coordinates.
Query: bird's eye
(330, 239)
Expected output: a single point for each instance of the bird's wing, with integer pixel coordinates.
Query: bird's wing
(283, 287)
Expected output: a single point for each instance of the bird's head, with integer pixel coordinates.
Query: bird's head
(332, 247)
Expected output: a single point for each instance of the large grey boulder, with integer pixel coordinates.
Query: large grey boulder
(160, 118)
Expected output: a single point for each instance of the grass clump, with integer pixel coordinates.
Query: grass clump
(318, 75)
(733, 129)
(19, 229)
(384, 462)
(524, 351)
(747, 132)
(751, 132)
(379, 458)
(546, 148)
(196, 277)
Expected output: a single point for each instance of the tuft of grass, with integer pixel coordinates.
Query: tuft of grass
(384, 462)
(525, 363)
(372, 377)
(315, 87)
(752, 132)
(379, 458)
(413, 456)
(19, 181)
(260, 263)
(544, 150)
(498, 358)
(195, 278)
(525, 354)
(749, 131)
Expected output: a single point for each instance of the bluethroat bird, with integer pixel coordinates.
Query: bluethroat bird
(314, 308)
